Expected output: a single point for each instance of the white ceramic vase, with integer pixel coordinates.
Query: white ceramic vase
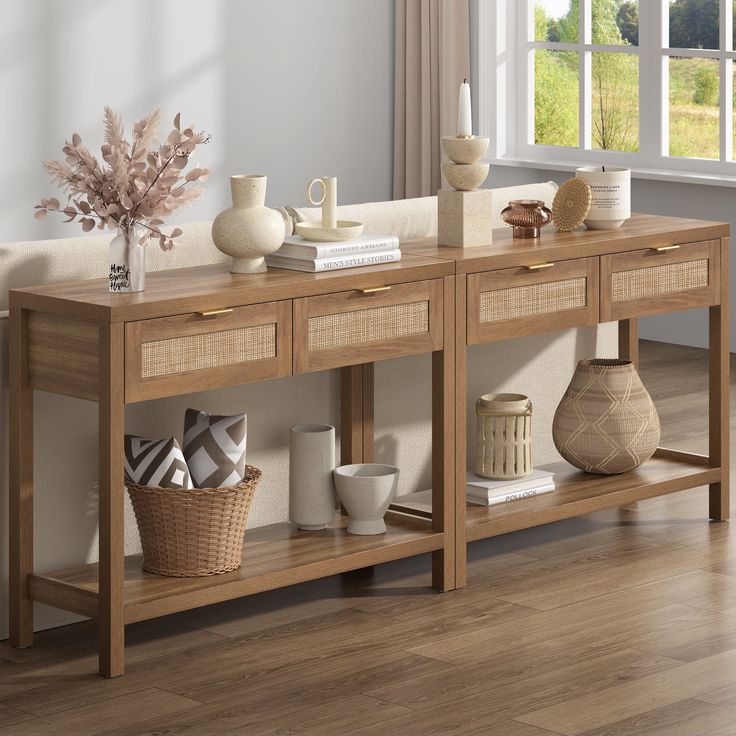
(249, 230)
(127, 262)
(366, 490)
(311, 486)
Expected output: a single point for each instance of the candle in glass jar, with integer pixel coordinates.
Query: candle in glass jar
(610, 187)
(464, 112)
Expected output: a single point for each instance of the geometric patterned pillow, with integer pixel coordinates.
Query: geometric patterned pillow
(214, 448)
(155, 463)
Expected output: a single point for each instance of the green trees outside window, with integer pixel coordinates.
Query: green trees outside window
(614, 114)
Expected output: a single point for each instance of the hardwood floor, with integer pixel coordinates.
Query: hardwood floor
(622, 622)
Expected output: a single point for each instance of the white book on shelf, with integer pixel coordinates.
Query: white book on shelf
(485, 487)
(332, 264)
(296, 247)
(511, 496)
(422, 500)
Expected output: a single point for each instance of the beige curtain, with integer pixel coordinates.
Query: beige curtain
(432, 57)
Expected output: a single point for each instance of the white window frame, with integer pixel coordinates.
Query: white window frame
(505, 94)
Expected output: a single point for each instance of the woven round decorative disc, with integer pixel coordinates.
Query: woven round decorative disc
(571, 204)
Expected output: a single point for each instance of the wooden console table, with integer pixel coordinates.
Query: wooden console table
(651, 265)
(76, 339)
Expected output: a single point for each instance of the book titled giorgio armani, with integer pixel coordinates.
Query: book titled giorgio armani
(318, 265)
(296, 247)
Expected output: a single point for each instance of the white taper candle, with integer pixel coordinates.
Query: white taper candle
(464, 111)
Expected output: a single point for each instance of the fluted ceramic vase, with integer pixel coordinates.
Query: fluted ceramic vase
(127, 262)
(606, 422)
(249, 230)
(312, 498)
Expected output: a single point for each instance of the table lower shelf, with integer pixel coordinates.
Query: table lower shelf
(579, 493)
(273, 556)
(279, 555)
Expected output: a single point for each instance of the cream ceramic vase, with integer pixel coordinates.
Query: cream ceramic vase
(249, 230)
(503, 447)
(606, 422)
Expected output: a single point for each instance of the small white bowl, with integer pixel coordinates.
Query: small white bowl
(366, 490)
(345, 230)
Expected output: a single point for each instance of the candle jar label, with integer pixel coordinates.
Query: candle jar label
(608, 197)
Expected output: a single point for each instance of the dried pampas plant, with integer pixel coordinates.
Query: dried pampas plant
(138, 183)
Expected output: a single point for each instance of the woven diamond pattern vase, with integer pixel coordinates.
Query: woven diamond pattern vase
(606, 422)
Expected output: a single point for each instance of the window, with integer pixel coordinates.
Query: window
(643, 83)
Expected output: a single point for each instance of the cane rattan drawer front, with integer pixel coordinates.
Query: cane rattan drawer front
(659, 279)
(205, 350)
(362, 326)
(536, 298)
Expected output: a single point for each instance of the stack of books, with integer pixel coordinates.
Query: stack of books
(485, 492)
(297, 254)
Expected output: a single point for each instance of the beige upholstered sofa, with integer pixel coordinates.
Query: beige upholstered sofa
(66, 439)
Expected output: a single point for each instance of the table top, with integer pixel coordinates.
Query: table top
(640, 231)
(180, 290)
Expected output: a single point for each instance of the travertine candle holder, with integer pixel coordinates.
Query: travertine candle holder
(464, 213)
(464, 150)
(465, 177)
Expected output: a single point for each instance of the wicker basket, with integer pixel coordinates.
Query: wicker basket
(196, 532)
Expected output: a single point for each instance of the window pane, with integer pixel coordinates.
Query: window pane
(556, 97)
(694, 116)
(615, 101)
(616, 23)
(694, 24)
(556, 20)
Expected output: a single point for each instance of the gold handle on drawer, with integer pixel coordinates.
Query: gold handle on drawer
(374, 289)
(663, 248)
(538, 266)
(213, 312)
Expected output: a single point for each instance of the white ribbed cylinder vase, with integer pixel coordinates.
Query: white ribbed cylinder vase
(503, 445)
(311, 485)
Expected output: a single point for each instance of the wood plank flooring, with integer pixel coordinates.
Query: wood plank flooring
(621, 622)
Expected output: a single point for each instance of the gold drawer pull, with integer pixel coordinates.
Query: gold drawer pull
(663, 248)
(538, 266)
(213, 312)
(374, 289)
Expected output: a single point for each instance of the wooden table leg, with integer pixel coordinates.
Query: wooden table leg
(351, 414)
(369, 440)
(20, 505)
(443, 445)
(718, 403)
(111, 618)
(356, 425)
(628, 340)
(461, 434)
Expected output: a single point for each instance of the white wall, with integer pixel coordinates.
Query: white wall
(662, 198)
(287, 88)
